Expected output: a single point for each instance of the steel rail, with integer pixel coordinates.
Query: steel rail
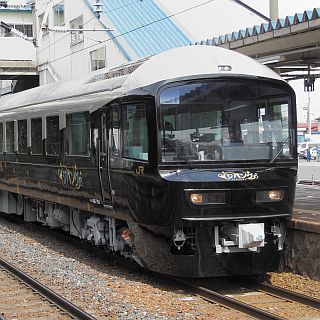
(55, 298)
(228, 302)
(287, 294)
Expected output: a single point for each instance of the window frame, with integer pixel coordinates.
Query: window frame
(76, 37)
(13, 136)
(65, 138)
(26, 29)
(123, 131)
(18, 137)
(58, 15)
(46, 137)
(269, 82)
(31, 136)
(98, 61)
(113, 144)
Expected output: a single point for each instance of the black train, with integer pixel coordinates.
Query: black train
(185, 162)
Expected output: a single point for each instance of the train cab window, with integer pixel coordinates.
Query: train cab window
(36, 136)
(10, 137)
(77, 134)
(22, 136)
(1, 138)
(225, 120)
(135, 134)
(53, 135)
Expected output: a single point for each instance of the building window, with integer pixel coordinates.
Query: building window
(77, 134)
(53, 136)
(10, 136)
(22, 136)
(36, 136)
(135, 133)
(58, 14)
(26, 29)
(76, 36)
(98, 59)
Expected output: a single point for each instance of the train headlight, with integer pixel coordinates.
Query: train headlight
(196, 198)
(269, 196)
(206, 197)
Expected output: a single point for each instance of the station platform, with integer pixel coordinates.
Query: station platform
(302, 244)
(306, 212)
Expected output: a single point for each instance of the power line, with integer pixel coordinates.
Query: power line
(256, 12)
(135, 29)
(119, 35)
(55, 42)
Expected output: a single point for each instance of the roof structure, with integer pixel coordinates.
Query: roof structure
(290, 45)
(146, 29)
(279, 27)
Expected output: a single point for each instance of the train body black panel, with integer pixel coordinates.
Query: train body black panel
(190, 171)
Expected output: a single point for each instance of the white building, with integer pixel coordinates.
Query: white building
(107, 42)
(14, 49)
(126, 31)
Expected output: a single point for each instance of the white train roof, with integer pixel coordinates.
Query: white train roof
(197, 60)
(90, 93)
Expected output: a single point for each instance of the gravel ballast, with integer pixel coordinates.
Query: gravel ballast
(108, 291)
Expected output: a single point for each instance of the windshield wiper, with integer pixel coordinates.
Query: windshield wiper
(182, 156)
(284, 143)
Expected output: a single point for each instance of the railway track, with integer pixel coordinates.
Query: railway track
(256, 299)
(22, 297)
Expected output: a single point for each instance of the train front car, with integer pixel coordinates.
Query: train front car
(227, 170)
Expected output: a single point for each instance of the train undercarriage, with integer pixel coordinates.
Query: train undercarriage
(205, 250)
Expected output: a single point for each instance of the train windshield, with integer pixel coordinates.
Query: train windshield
(225, 120)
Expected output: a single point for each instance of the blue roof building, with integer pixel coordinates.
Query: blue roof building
(144, 26)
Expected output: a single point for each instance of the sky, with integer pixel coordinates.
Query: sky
(219, 17)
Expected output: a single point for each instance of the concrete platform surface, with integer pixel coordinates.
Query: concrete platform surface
(306, 212)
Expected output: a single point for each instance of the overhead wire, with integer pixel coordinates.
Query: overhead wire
(135, 29)
(67, 35)
(119, 35)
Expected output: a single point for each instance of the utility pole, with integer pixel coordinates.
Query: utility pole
(309, 114)
(273, 9)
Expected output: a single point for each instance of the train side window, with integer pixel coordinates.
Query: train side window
(77, 134)
(10, 137)
(135, 133)
(22, 136)
(53, 135)
(115, 130)
(1, 138)
(36, 136)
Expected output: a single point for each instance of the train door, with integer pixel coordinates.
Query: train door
(104, 157)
